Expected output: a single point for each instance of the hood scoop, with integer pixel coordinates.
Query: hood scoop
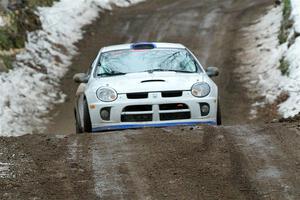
(153, 80)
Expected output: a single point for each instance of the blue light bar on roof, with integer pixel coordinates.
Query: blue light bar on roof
(143, 45)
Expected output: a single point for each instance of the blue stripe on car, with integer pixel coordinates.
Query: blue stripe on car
(132, 126)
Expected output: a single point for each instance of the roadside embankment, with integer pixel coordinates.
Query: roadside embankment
(270, 62)
(30, 88)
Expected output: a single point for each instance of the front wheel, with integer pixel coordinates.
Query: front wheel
(86, 118)
(78, 126)
(219, 117)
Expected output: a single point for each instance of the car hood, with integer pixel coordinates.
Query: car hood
(149, 82)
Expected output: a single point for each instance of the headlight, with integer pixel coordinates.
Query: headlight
(107, 94)
(200, 89)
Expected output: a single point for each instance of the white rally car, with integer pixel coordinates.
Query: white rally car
(145, 85)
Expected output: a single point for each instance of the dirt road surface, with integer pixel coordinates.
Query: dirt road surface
(232, 162)
(241, 160)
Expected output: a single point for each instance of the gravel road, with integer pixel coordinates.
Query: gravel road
(244, 159)
(230, 162)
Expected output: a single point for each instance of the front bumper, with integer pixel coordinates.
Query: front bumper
(164, 124)
(155, 100)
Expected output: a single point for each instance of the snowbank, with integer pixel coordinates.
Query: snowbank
(2, 21)
(292, 106)
(31, 88)
(296, 14)
(263, 54)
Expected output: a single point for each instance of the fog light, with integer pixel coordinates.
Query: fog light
(105, 114)
(204, 107)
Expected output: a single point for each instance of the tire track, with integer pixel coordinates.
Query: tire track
(261, 163)
(79, 165)
(114, 175)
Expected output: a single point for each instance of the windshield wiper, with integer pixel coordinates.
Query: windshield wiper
(112, 73)
(179, 71)
(168, 70)
(155, 70)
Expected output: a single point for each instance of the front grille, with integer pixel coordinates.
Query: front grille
(145, 113)
(173, 106)
(137, 118)
(143, 95)
(174, 111)
(138, 108)
(175, 116)
(169, 94)
(137, 113)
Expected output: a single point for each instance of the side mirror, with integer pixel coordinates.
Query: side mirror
(212, 71)
(81, 78)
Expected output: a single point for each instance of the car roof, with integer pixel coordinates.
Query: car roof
(129, 46)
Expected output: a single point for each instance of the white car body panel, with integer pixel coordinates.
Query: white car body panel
(162, 81)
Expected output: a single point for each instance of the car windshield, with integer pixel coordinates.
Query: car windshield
(133, 61)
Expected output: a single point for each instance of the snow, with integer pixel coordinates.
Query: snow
(31, 88)
(261, 56)
(2, 21)
(292, 106)
(261, 59)
(296, 14)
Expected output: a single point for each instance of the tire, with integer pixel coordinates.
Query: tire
(78, 126)
(219, 117)
(87, 126)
